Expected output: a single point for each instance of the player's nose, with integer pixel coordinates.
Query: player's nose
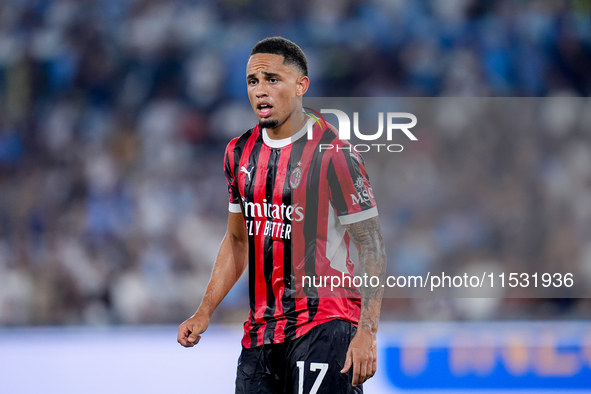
(260, 91)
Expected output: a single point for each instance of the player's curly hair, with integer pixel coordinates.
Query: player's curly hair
(291, 52)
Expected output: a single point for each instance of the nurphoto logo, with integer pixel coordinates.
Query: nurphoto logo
(344, 130)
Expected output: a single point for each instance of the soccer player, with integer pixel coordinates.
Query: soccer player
(293, 209)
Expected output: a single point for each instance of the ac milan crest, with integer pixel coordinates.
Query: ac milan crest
(295, 178)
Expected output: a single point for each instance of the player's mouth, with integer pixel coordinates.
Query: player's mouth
(264, 110)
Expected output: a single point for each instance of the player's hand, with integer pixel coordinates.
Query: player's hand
(363, 356)
(191, 329)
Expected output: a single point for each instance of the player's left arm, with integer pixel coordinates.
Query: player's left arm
(362, 352)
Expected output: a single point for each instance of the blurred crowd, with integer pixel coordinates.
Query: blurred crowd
(114, 115)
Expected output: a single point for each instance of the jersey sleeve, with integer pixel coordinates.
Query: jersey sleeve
(351, 193)
(229, 171)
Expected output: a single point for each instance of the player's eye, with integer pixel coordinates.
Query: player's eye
(273, 80)
(252, 82)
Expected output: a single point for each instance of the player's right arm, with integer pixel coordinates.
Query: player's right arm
(230, 263)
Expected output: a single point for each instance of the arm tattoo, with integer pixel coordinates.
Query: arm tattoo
(367, 237)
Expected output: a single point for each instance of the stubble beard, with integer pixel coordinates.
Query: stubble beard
(268, 124)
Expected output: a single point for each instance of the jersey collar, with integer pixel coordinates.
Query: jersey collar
(285, 141)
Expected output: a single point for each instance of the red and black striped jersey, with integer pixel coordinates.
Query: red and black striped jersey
(296, 196)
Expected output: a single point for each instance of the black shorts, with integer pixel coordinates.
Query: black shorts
(310, 364)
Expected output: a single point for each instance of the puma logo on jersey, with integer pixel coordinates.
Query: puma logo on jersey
(247, 172)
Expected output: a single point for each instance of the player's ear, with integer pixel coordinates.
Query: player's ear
(302, 84)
